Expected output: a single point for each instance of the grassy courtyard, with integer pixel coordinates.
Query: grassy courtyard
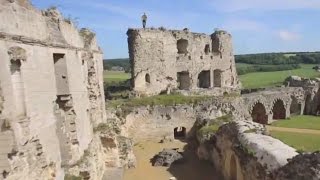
(301, 141)
(300, 122)
(300, 132)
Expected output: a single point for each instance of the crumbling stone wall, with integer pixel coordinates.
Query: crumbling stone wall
(51, 81)
(312, 93)
(243, 150)
(265, 104)
(162, 60)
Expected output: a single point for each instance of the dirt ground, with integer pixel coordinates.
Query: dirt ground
(191, 169)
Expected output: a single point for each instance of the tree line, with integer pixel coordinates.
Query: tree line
(264, 62)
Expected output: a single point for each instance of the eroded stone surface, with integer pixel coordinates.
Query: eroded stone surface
(51, 98)
(241, 150)
(165, 60)
(166, 157)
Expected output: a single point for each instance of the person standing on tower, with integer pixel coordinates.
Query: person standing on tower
(144, 20)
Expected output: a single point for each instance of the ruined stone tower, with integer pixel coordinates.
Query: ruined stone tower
(169, 59)
(51, 93)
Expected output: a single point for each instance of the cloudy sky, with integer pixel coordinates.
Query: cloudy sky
(256, 25)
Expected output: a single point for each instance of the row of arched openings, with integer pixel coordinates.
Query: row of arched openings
(259, 113)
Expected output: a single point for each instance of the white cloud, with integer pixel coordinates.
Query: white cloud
(288, 36)
(264, 5)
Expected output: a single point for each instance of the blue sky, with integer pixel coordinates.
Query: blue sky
(256, 25)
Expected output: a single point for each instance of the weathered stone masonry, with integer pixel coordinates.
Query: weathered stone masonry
(51, 92)
(162, 60)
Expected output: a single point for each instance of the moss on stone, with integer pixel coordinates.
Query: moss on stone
(72, 177)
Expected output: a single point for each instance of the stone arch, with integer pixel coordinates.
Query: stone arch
(17, 55)
(204, 79)
(180, 132)
(279, 110)
(318, 102)
(182, 46)
(217, 78)
(307, 107)
(295, 107)
(147, 78)
(259, 113)
(207, 49)
(233, 168)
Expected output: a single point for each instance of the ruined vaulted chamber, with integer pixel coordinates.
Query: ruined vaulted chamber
(51, 91)
(164, 60)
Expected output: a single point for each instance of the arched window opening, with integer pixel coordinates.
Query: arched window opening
(259, 114)
(180, 133)
(279, 111)
(308, 105)
(147, 78)
(182, 46)
(207, 49)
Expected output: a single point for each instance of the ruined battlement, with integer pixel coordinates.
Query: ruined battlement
(42, 27)
(163, 60)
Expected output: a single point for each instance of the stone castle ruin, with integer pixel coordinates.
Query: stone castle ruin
(52, 106)
(51, 95)
(164, 60)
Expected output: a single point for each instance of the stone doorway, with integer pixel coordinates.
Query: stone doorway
(307, 107)
(279, 111)
(183, 80)
(204, 79)
(259, 114)
(180, 133)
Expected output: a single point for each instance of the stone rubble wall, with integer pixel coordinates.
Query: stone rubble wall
(243, 150)
(159, 121)
(154, 52)
(312, 92)
(44, 132)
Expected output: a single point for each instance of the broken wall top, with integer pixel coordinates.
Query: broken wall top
(137, 31)
(45, 28)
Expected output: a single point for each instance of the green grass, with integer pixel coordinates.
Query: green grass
(165, 100)
(299, 141)
(115, 76)
(208, 129)
(300, 122)
(269, 79)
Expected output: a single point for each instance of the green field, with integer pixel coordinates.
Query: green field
(269, 79)
(300, 141)
(300, 122)
(115, 76)
(250, 80)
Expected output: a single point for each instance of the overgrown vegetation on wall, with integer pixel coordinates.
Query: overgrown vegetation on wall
(165, 100)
